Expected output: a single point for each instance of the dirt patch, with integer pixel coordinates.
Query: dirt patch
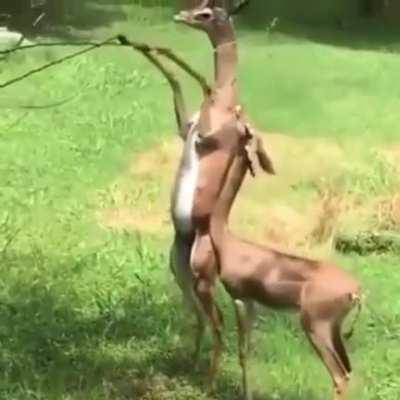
(139, 198)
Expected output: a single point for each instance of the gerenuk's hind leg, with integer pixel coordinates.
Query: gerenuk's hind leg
(180, 266)
(245, 315)
(321, 335)
(203, 266)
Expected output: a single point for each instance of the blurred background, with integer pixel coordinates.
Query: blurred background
(88, 153)
(21, 14)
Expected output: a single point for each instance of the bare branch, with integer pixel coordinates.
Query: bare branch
(123, 41)
(51, 44)
(20, 41)
(144, 48)
(18, 44)
(47, 106)
(38, 106)
(53, 63)
(179, 102)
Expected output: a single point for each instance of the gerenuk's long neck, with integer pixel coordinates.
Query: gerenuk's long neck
(225, 65)
(233, 181)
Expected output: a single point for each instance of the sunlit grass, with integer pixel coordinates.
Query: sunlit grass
(91, 313)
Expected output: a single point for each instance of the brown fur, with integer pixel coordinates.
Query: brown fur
(320, 292)
(217, 128)
(218, 124)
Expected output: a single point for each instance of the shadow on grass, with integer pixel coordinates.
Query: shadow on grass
(74, 19)
(54, 339)
(179, 365)
(362, 36)
(60, 16)
(70, 18)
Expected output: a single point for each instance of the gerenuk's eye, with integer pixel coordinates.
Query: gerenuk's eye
(205, 16)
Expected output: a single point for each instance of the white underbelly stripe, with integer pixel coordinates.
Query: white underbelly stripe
(186, 186)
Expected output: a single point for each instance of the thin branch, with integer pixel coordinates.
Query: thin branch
(123, 41)
(179, 102)
(18, 44)
(20, 41)
(56, 44)
(168, 53)
(47, 106)
(53, 63)
(38, 106)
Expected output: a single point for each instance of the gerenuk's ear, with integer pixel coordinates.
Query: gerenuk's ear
(263, 158)
(250, 149)
(256, 153)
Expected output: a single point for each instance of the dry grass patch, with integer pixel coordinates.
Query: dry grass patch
(138, 200)
(387, 213)
(133, 220)
(302, 207)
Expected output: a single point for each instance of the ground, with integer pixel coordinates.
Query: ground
(87, 305)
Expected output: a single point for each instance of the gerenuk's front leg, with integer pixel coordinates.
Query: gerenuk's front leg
(180, 266)
(202, 264)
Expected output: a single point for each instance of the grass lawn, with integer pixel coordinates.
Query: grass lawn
(88, 309)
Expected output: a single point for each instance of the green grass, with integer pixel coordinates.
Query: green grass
(89, 313)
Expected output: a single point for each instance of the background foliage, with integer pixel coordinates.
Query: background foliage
(78, 12)
(88, 309)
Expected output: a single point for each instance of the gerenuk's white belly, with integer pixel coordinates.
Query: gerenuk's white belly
(185, 186)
